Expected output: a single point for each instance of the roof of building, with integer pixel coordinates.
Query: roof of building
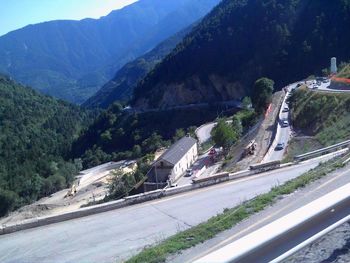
(174, 154)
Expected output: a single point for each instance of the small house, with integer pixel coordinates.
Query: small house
(173, 163)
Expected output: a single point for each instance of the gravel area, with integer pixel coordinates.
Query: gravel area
(333, 247)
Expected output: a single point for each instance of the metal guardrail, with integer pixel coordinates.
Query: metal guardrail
(285, 236)
(322, 151)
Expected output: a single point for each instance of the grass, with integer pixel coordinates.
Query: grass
(206, 146)
(300, 145)
(325, 116)
(230, 217)
(345, 72)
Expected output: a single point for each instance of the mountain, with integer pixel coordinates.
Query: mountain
(121, 87)
(240, 41)
(72, 59)
(36, 133)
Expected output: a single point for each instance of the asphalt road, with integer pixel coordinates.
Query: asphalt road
(283, 134)
(283, 207)
(116, 235)
(203, 133)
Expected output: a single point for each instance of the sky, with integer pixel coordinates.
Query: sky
(16, 14)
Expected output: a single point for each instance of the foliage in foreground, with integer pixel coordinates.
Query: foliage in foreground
(230, 217)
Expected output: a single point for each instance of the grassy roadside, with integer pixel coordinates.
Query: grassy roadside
(300, 145)
(230, 217)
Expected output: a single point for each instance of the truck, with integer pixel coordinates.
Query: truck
(250, 148)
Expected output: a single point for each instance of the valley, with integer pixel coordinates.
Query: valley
(174, 131)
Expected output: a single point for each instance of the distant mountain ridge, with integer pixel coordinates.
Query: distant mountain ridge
(72, 59)
(121, 87)
(240, 41)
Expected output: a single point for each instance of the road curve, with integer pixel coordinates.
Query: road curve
(116, 235)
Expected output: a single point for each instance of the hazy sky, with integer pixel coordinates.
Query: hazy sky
(15, 14)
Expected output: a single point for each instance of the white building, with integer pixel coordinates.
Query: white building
(334, 68)
(174, 162)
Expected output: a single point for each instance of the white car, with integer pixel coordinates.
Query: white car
(285, 123)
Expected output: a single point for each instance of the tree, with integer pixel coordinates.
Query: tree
(246, 103)
(136, 151)
(152, 143)
(262, 94)
(237, 125)
(179, 134)
(224, 135)
(8, 200)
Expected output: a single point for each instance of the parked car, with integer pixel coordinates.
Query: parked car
(285, 123)
(189, 172)
(280, 146)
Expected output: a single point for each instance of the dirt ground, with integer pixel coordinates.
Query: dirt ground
(262, 133)
(93, 186)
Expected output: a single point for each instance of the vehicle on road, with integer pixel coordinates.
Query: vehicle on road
(315, 86)
(285, 123)
(250, 148)
(285, 109)
(212, 151)
(189, 172)
(280, 146)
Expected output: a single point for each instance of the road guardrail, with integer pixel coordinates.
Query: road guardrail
(290, 233)
(322, 151)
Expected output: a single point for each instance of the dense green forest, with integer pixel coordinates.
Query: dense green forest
(36, 133)
(117, 134)
(243, 40)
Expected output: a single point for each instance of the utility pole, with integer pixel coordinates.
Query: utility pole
(155, 168)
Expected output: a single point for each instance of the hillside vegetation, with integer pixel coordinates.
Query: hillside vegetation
(73, 59)
(344, 72)
(326, 116)
(117, 134)
(36, 133)
(121, 87)
(243, 40)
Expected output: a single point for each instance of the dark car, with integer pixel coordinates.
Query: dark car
(279, 146)
(285, 123)
(189, 172)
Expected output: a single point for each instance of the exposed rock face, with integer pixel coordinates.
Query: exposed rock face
(193, 90)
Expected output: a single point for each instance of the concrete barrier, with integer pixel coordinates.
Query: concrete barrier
(209, 178)
(283, 237)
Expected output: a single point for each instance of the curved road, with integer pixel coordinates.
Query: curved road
(116, 235)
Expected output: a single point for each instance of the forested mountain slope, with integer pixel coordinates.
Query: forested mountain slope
(36, 133)
(72, 59)
(121, 87)
(243, 40)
